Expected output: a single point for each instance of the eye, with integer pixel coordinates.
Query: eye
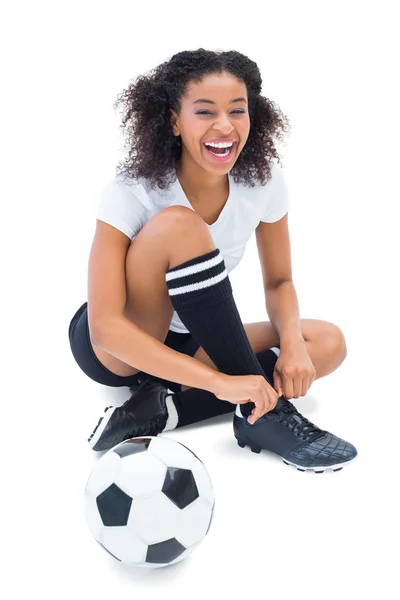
(204, 112)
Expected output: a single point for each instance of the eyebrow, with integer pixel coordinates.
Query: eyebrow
(211, 102)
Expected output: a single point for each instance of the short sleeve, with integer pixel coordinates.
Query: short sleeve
(120, 207)
(276, 198)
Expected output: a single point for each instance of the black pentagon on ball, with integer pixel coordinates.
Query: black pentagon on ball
(180, 486)
(132, 446)
(164, 552)
(114, 506)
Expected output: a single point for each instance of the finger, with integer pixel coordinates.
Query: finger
(271, 398)
(297, 386)
(255, 416)
(305, 386)
(288, 387)
(277, 384)
(273, 403)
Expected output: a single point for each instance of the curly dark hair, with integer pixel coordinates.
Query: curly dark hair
(154, 151)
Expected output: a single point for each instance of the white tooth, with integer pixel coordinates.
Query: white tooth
(220, 144)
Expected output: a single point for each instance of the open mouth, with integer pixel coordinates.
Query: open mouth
(220, 153)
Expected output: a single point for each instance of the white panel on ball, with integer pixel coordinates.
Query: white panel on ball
(193, 523)
(123, 544)
(140, 474)
(103, 473)
(154, 518)
(93, 518)
(172, 453)
(204, 483)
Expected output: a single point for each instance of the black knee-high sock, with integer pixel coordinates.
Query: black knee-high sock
(201, 293)
(194, 405)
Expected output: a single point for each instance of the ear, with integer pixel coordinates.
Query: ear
(173, 120)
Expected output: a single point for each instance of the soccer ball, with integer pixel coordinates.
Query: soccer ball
(149, 501)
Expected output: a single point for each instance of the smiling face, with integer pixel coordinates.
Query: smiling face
(213, 110)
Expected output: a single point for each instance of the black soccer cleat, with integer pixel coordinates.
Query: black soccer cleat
(145, 413)
(295, 439)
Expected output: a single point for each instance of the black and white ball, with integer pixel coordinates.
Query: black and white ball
(149, 501)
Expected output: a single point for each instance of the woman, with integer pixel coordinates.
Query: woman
(160, 317)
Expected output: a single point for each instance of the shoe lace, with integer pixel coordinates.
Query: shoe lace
(289, 416)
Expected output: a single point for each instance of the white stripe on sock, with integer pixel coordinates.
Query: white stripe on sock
(276, 350)
(199, 285)
(238, 411)
(201, 266)
(173, 418)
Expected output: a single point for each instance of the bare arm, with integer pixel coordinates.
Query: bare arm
(111, 331)
(124, 340)
(273, 244)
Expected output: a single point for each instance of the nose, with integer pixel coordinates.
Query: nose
(223, 125)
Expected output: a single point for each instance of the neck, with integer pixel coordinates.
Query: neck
(198, 183)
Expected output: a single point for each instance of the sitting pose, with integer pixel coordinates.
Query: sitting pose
(160, 316)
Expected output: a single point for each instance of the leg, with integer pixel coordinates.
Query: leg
(325, 344)
(173, 236)
(207, 309)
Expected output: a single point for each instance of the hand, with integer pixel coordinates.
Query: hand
(294, 371)
(240, 389)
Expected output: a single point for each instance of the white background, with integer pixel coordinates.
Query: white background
(277, 533)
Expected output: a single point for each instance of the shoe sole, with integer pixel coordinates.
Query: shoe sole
(100, 427)
(334, 468)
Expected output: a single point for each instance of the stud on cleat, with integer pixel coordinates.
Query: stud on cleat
(241, 444)
(339, 469)
(302, 470)
(286, 463)
(255, 449)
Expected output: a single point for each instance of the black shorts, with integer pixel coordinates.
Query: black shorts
(85, 357)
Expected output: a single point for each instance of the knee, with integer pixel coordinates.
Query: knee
(174, 224)
(335, 342)
(190, 233)
(182, 217)
(177, 234)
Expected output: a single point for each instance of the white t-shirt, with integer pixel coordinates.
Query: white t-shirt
(127, 204)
